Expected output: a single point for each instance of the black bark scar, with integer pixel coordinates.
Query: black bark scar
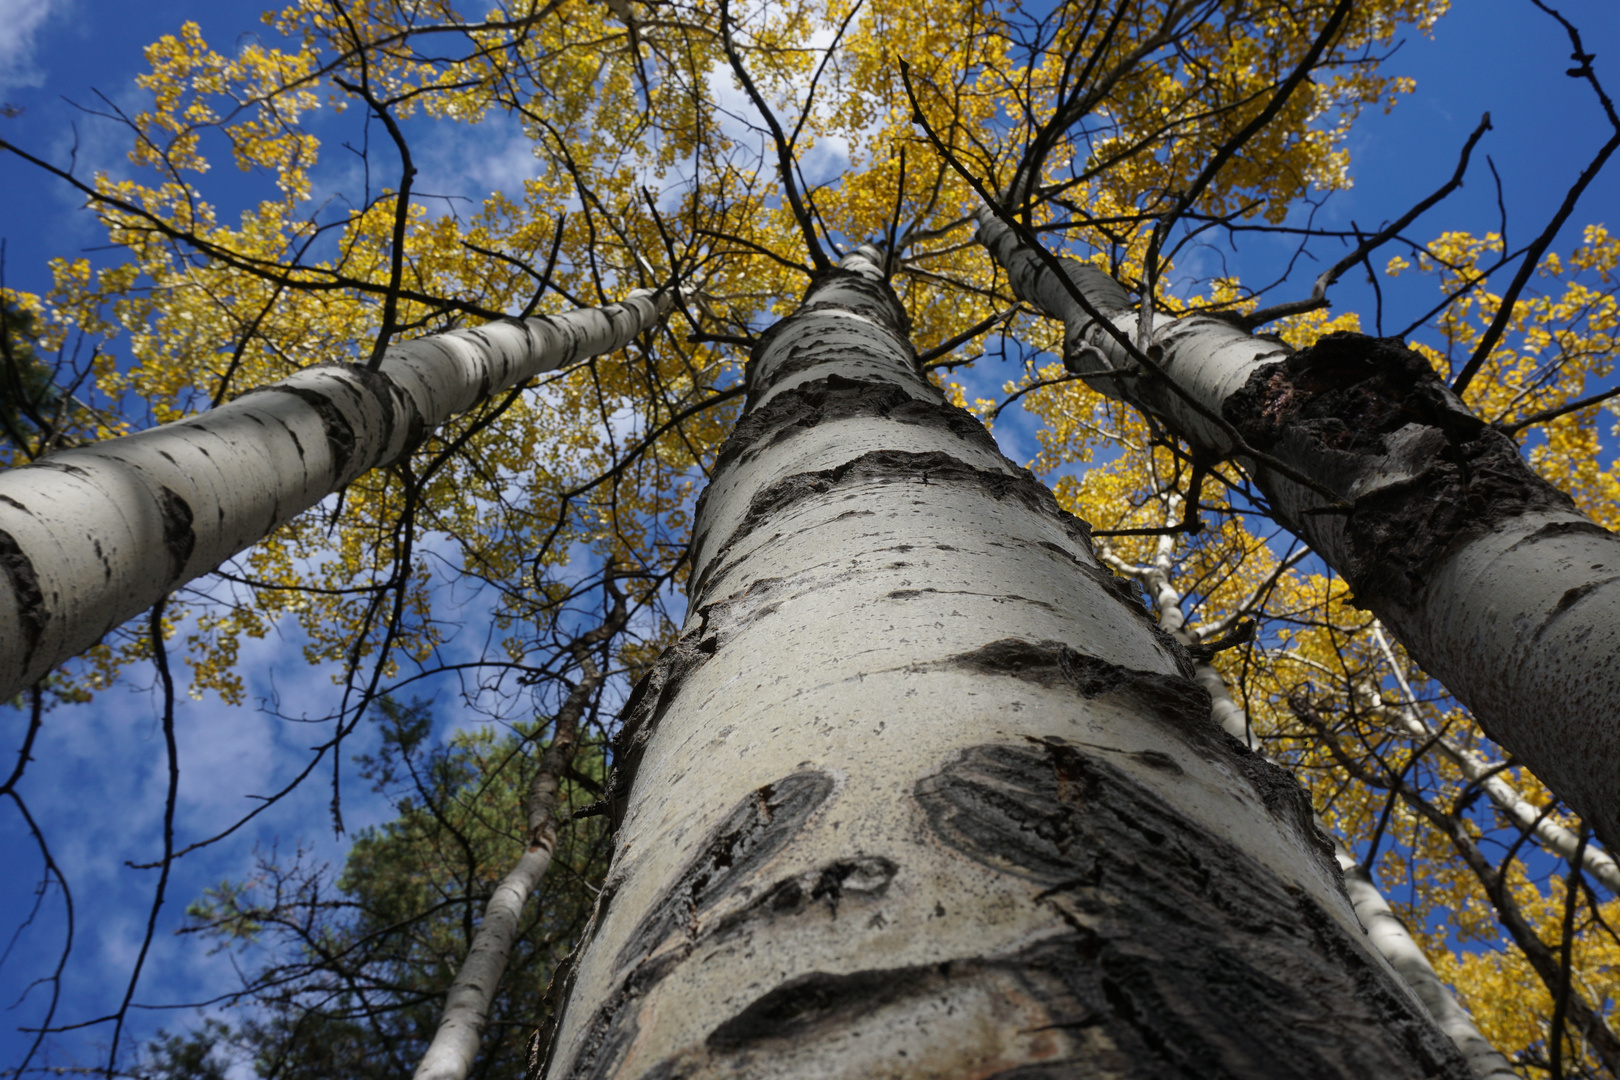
(32, 613)
(179, 539)
(728, 860)
(1331, 409)
(339, 432)
(1173, 955)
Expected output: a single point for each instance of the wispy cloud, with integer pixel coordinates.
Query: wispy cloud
(21, 18)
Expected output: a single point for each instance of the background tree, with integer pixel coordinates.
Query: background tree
(346, 971)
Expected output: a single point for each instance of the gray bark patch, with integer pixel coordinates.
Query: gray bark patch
(33, 614)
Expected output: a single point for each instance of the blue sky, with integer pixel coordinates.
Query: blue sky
(98, 776)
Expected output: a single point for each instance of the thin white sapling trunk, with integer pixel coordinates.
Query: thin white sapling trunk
(456, 1041)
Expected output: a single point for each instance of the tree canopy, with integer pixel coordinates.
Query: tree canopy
(733, 152)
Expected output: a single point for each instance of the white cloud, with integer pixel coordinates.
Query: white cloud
(20, 19)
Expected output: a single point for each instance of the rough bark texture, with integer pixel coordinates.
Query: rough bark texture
(91, 537)
(1489, 576)
(922, 791)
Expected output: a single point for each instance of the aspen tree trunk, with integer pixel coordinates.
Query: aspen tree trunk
(1488, 575)
(922, 791)
(92, 536)
(460, 1034)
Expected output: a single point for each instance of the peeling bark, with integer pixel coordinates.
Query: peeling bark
(90, 537)
(923, 791)
(1489, 576)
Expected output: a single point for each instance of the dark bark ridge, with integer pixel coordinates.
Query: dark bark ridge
(829, 400)
(1335, 410)
(1178, 704)
(834, 291)
(728, 861)
(33, 612)
(179, 539)
(1177, 955)
(1190, 955)
(834, 398)
(894, 466)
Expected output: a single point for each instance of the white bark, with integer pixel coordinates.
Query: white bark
(460, 1033)
(466, 1008)
(1492, 580)
(92, 536)
(921, 792)
(1391, 938)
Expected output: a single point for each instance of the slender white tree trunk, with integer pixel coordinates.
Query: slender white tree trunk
(1385, 931)
(1525, 814)
(91, 537)
(460, 1033)
(922, 791)
(1391, 938)
(1489, 576)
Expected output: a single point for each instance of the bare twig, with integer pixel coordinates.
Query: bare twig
(1318, 297)
(160, 658)
(1532, 256)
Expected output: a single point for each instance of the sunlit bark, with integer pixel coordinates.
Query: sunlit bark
(923, 791)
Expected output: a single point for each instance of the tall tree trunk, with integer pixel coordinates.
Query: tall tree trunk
(90, 537)
(922, 791)
(460, 1034)
(1489, 576)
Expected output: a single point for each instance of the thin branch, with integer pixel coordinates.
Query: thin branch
(1572, 894)
(1532, 256)
(160, 658)
(784, 149)
(945, 347)
(1554, 413)
(402, 213)
(1318, 297)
